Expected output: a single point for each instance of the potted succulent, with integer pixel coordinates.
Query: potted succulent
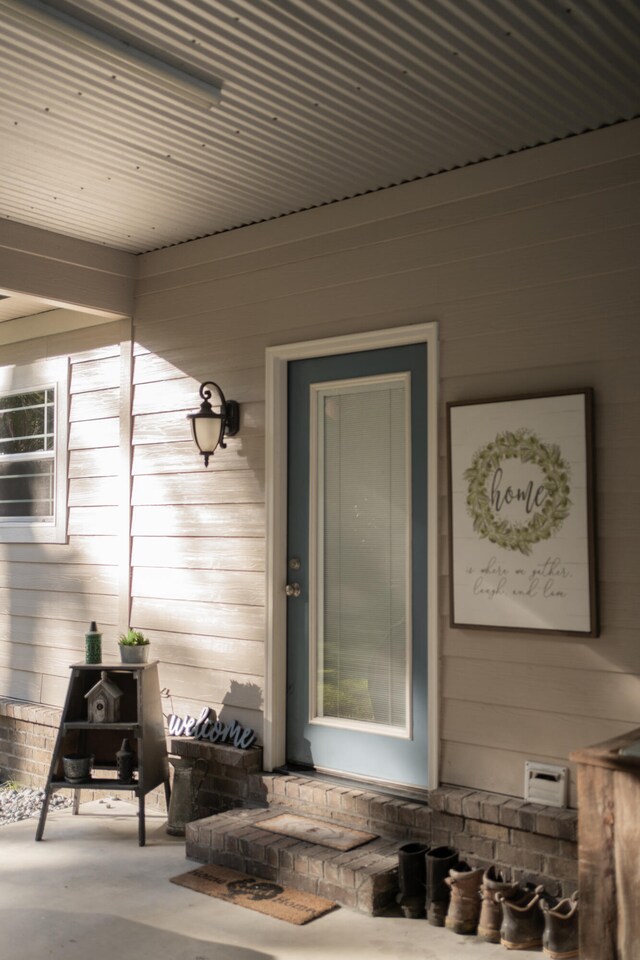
(134, 647)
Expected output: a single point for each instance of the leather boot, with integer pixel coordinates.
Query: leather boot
(439, 861)
(464, 908)
(560, 937)
(412, 879)
(490, 920)
(522, 920)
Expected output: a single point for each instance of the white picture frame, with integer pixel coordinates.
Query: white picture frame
(521, 514)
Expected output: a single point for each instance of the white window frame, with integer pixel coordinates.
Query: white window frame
(25, 379)
(318, 393)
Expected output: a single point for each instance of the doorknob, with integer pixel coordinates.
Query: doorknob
(293, 589)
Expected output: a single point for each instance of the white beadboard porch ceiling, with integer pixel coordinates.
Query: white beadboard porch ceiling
(321, 100)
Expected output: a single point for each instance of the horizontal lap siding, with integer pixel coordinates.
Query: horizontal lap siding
(529, 266)
(198, 538)
(197, 581)
(198, 535)
(49, 593)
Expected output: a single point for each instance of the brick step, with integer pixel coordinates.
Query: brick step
(364, 879)
(351, 807)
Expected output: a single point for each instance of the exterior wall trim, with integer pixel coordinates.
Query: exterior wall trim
(125, 483)
(277, 360)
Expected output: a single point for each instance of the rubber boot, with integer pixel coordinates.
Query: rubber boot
(522, 921)
(490, 920)
(560, 937)
(464, 908)
(412, 875)
(439, 861)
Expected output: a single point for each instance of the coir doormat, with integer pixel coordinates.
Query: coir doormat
(283, 903)
(316, 831)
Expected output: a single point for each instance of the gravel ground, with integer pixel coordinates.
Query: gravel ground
(21, 803)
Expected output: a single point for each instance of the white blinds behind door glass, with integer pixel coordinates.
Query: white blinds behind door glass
(363, 512)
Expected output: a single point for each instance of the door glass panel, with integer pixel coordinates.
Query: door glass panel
(360, 625)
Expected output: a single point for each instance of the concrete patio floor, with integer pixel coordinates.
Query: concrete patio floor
(88, 892)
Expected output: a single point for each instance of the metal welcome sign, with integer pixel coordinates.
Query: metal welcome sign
(208, 727)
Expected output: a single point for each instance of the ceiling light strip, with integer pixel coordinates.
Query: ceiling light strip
(121, 54)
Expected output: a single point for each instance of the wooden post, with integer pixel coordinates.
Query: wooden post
(609, 850)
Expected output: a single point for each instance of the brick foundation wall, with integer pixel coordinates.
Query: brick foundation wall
(27, 738)
(228, 781)
(530, 842)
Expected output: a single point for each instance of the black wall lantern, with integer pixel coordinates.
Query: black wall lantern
(210, 428)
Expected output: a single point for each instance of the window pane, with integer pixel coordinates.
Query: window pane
(26, 488)
(363, 516)
(8, 447)
(34, 398)
(27, 422)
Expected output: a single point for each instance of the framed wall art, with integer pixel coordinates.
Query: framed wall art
(521, 517)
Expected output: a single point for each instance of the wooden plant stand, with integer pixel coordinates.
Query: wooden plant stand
(141, 721)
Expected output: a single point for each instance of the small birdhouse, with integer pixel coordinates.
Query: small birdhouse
(103, 701)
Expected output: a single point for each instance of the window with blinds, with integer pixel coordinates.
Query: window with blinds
(360, 517)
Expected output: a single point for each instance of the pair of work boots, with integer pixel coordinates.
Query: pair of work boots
(520, 918)
(531, 919)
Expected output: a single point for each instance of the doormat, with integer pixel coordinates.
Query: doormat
(264, 896)
(317, 831)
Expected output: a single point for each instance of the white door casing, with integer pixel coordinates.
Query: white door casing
(277, 360)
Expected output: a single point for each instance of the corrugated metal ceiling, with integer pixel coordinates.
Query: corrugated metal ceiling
(321, 100)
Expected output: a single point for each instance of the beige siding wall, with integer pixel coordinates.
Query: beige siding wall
(50, 592)
(528, 264)
(197, 582)
(65, 271)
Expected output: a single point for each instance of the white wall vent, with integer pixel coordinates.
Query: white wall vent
(545, 783)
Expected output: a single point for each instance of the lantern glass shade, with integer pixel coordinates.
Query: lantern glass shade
(207, 431)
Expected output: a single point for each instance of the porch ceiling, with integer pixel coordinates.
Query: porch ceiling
(321, 100)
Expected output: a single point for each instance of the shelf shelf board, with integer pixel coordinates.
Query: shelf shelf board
(113, 665)
(108, 765)
(123, 725)
(95, 783)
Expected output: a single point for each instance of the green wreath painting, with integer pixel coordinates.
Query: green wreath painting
(549, 506)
